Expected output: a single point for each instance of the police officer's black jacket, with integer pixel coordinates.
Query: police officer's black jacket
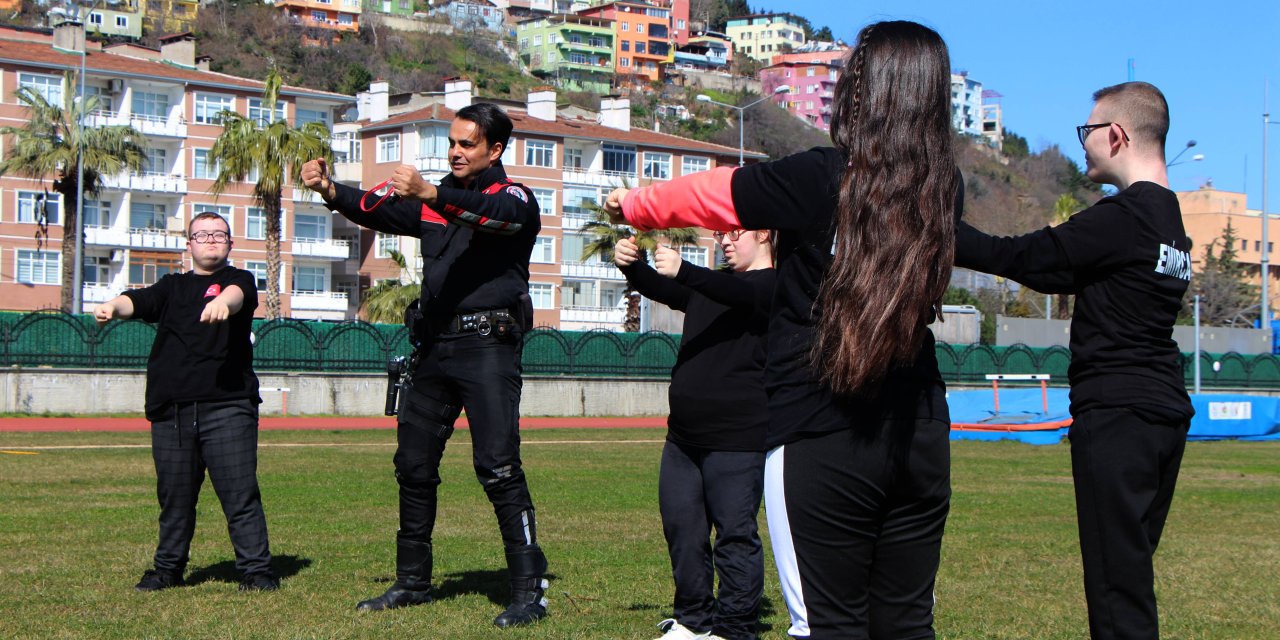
(476, 242)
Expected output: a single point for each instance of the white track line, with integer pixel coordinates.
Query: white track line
(69, 447)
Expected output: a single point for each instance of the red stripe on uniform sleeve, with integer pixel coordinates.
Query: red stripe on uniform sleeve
(702, 199)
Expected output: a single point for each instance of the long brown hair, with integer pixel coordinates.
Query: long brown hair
(894, 224)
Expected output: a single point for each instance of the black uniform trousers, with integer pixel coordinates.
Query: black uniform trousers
(221, 437)
(856, 522)
(1125, 469)
(697, 489)
(482, 375)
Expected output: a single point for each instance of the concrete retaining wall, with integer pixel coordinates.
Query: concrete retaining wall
(78, 391)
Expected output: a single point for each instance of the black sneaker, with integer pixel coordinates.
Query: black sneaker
(153, 580)
(259, 582)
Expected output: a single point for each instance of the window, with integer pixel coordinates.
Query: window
(619, 158)
(306, 116)
(209, 107)
(96, 270)
(310, 227)
(626, 26)
(318, 16)
(259, 113)
(29, 201)
(39, 267)
(202, 169)
(310, 279)
(150, 105)
(49, 87)
(537, 40)
(624, 62)
(639, 29)
(679, 24)
(346, 147)
(433, 141)
(572, 158)
(389, 148)
(508, 157)
(639, 47)
(694, 255)
(694, 164)
(1244, 245)
(384, 244)
(626, 45)
(122, 22)
(1257, 245)
(223, 210)
(546, 200)
(157, 162)
(147, 268)
(259, 271)
(543, 250)
(95, 18)
(657, 165)
(539, 154)
(146, 215)
(346, 19)
(576, 199)
(255, 225)
(543, 295)
(96, 214)
(573, 246)
(579, 58)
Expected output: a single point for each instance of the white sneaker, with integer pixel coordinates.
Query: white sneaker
(676, 631)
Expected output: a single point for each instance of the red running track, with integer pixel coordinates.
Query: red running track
(10, 425)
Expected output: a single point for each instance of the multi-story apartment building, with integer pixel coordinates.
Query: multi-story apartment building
(709, 51)
(169, 16)
(643, 39)
(335, 15)
(815, 51)
(134, 228)
(762, 36)
(402, 8)
(1206, 212)
(471, 15)
(120, 19)
(567, 163)
(966, 104)
(575, 52)
(812, 86)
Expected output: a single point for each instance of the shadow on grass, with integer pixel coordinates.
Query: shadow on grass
(491, 584)
(284, 567)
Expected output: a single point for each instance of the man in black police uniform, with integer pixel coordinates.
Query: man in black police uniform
(477, 230)
(202, 401)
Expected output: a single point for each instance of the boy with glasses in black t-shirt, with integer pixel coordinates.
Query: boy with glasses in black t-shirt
(1127, 261)
(202, 401)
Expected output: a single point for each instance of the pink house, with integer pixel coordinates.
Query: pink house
(812, 87)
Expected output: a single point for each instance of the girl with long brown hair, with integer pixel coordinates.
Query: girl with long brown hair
(857, 478)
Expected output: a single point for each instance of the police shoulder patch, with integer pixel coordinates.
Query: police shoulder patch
(518, 192)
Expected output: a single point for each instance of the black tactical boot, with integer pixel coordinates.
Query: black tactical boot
(526, 566)
(413, 578)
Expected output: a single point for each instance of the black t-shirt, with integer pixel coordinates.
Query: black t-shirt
(797, 195)
(717, 392)
(1127, 259)
(191, 360)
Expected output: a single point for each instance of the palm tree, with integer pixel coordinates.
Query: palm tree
(52, 143)
(1063, 208)
(277, 152)
(386, 301)
(605, 236)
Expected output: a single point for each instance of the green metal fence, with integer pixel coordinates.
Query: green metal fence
(63, 340)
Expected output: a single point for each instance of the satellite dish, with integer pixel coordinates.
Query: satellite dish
(350, 114)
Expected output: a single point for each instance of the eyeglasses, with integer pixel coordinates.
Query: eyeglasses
(733, 235)
(210, 237)
(1084, 130)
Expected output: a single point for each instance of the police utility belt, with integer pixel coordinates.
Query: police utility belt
(496, 321)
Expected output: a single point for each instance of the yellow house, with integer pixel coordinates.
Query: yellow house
(167, 17)
(762, 36)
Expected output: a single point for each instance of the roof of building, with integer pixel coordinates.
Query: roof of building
(41, 54)
(579, 128)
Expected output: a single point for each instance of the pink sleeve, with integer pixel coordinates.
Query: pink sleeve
(702, 200)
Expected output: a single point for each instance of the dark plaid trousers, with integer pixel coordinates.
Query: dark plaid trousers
(223, 438)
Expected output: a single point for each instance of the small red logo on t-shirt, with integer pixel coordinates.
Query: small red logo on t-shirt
(213, 291)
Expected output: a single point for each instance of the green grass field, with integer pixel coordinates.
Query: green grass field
(77, 528)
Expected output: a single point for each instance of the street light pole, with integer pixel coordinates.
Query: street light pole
(742, 110)
(1264, 317)
(77, 273)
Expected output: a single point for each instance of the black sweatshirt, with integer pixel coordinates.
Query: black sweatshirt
(1127, 260)
(717, 392)
(191, 360)
(475, 244)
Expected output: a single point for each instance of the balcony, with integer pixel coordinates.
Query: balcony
(612, 179)
(153, 182)
(347, 172)
(432, 164)
(590, 270)
(322, 248)
(604, 66)
(156, 239)
(307, 196)
(155, 126)
(585, 47)
(98, 293)
(318, 301)
(596, 316)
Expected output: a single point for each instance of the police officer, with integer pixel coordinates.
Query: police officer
(477, 230)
